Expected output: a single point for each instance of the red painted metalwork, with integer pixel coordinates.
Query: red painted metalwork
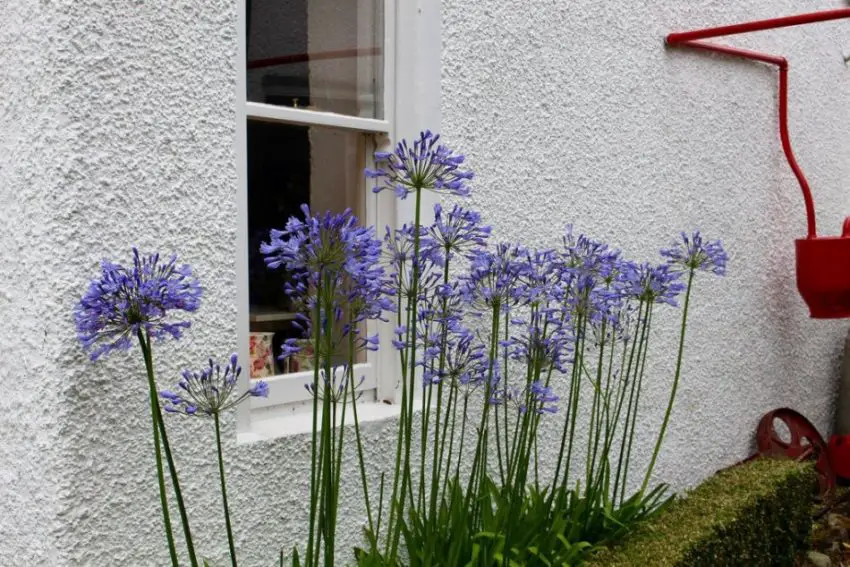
(804, 443)
(759, 25)
(839, 455)
(823, 263)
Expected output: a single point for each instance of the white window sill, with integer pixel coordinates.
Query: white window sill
(288, 423)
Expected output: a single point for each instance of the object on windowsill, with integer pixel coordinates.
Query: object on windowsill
(260, 352)
(303, 360)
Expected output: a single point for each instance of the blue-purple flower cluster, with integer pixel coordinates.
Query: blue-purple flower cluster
(333, 255)
(210, 391)
(426, 165)
(547, 301)
(127, 300)
(536, 396)
(336, 385)
(694, 253)
(550, 299)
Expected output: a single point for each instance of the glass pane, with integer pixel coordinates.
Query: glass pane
(289, 165)
(318, 54)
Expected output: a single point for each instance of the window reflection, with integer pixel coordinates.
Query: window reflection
(316, 54)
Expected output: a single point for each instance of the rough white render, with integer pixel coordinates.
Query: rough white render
(117, 128)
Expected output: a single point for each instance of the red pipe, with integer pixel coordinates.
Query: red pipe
(760, 25)
(789, 153)
(692, 39)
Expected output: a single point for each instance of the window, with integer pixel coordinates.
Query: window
(321, 84)
(313, 107)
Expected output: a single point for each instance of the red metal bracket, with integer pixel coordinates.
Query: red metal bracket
(694, 39)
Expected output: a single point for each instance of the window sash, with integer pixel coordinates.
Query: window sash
(304, 116)
(288, 389)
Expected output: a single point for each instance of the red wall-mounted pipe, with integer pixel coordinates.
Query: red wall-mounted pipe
(694, 39)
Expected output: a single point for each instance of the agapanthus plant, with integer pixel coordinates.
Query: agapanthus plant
(340, 284)
(496, 341)
(143, 302)
(502, 327)
(208, 393)
(427, 164)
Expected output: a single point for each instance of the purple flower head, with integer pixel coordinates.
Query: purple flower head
(543, 398)
(336, 386)
(653, 284)
(694, 253)
(456, 230)
(426, 165)
(335, 252)
(126, 301)
(493, 276)
(464, 361)
(589, 274)
(210, 391)
(544, 342)
(290, 347)
(586, 257)
(541, 278)
(536, 396)
(400, 333)
(400, 253)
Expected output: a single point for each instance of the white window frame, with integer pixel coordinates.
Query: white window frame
(411, 102)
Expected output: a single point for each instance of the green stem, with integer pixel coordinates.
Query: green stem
(637, 394)
(576, 364)
(314, 438)
(373, 541)
(156, 441)
(224, 491)
(175, 482)
(479, 463)
(406, 424)
(628, 379)
(326, 502)
(675, 384)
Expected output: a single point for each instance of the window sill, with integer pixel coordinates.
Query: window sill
(279, 424)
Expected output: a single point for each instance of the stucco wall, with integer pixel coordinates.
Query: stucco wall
(32, 145)
(120, 130)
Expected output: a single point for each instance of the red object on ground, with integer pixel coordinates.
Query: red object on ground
(839, 455)
(805, 443)
(823, 263)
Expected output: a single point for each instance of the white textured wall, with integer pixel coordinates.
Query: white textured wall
(575, 112)
(117, 128)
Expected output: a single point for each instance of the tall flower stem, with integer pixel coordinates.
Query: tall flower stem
(166, 517)
(636, 392)
(406, 421)
(145, 342)
(634, 360)
(479, 463)
(438, 445)
(313, 441)
(373, 533)
(224, 491)
(675, 384)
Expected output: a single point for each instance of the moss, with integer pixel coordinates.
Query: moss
(751, 515)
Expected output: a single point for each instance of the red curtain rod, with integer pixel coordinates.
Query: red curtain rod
(317, 56)
(692, 39)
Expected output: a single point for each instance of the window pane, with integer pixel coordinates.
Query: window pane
(320, 54)
(289, 165)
